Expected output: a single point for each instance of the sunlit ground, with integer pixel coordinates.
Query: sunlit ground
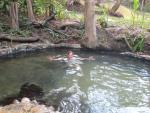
(131, 18)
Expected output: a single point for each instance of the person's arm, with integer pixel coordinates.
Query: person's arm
(55, 58)
(89, 58)
(51, 58)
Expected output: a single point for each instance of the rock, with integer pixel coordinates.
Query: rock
(25, 100)
(32, 47)
(136, 55)
(34, 102)
(26, 106)
(31, 91)
(51, 108)
(16, 101)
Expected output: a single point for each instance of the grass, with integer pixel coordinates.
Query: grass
(127, 21)
(130, 18)
(126, 12)
(138, 22)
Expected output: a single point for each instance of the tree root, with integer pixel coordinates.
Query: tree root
(59, 33)
(20, 40)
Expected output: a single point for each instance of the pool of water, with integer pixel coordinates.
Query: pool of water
(110, 84)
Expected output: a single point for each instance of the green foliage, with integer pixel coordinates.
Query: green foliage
(136, 14)
(136, 44)
(135, 9)
(103, 18)
(3, 27)
(40, 7)
(136, 4)
(23, 6)
(4, 5)
(102, 21)
(60, 9)
(22, 33)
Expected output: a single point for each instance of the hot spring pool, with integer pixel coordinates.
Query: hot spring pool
(110, 84)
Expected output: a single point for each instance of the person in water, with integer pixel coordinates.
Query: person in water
(70, 56)
(73, 62)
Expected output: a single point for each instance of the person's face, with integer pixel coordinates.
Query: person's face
(70, 54)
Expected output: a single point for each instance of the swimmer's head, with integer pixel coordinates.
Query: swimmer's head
(69, 55)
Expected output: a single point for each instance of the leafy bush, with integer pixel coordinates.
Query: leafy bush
(102, 21)
(4, 6)
(61, 12)
(136, 44)
(3, 27)
(135, 9)
(40, 7)
(103, 18)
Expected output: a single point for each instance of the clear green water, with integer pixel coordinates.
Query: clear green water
(110, 84)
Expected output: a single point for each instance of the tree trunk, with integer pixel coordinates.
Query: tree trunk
(14, 15)
(70, 3)
(30, 11)
(142, 4)
(115, 6)
(90, 24)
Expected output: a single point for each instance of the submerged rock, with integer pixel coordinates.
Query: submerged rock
(28, 90)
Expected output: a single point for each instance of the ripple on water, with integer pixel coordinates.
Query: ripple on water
(107, 85)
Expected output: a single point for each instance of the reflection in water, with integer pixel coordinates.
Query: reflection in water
(107, 85)
(73, 66)
(72, 103)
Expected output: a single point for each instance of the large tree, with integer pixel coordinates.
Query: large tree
(30, 11)
(90, 24)
(13, 11)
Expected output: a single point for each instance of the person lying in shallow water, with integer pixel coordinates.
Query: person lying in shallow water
(73, 62)
(70, 56)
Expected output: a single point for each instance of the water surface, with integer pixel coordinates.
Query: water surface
(110, 84)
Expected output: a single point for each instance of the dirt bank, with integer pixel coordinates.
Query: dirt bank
(71, 35)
